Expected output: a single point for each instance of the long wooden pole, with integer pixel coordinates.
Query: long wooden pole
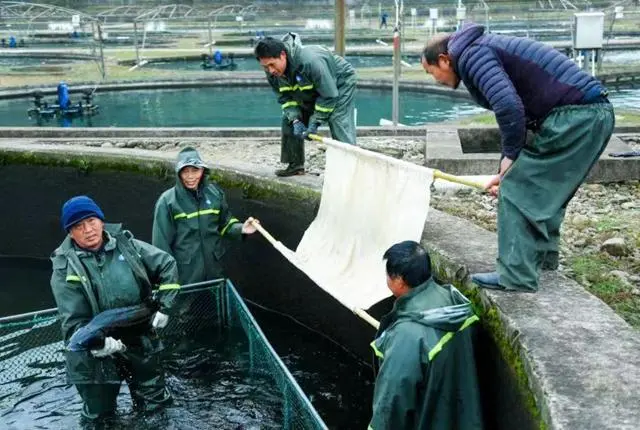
(404, 164)
(288, 255)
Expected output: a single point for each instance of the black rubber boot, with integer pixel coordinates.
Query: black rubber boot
(290, 170)
(551, 260)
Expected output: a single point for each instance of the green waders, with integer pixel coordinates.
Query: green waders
(535, 192)
(143, 372)
(342, 124)
(292, 148)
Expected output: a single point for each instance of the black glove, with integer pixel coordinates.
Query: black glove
(299, 129)
(312, 129)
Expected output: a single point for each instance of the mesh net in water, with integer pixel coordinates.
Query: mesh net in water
(31, 349)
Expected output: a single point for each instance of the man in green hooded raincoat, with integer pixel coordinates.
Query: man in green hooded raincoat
(314, 87)
(427, 376)
(192, 221)
(100, 267)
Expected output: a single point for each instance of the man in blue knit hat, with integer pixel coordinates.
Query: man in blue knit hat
(529, 86)
(98, 267)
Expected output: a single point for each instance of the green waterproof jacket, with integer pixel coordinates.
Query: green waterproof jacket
(122, 273)
(427, 377)
(313, 80)
(191, 226)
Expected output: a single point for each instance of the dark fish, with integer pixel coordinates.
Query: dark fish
(119, 321)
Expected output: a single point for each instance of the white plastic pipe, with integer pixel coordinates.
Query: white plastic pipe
(140, 64)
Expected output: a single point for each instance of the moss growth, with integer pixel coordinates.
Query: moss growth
(262, 189)
(490, 319)
(624, 117)
(87, 164)
(252, 187)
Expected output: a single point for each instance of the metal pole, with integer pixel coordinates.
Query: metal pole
(104, 72)
(486, 17)
(401, 27)
(210, 39)
(605, 45)
(339, 27)
(396, 76)
(135, 41)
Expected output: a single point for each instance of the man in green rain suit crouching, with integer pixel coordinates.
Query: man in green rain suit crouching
(314, 87)
(192, 220)
(528, 85)
(427, 376)
(101, 267)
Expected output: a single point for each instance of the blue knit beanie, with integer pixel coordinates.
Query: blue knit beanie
(78, 208)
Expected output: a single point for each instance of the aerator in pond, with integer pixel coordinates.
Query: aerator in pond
(62, 107)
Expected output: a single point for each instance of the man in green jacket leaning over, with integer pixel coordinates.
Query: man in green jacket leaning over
(314, 87)
(192, 220)
(101, 267)
(427, 377)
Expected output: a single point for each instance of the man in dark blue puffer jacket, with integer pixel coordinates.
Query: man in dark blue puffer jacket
(528, 85)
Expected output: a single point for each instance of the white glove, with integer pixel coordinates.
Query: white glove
(160, 320)
(111, 346)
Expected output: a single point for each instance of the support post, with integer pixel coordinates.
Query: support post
(486, 18)
(103, 70)
(210, 39)
(135, 41)
(339, 28)
(395, 109)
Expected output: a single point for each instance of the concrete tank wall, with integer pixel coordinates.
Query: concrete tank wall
(34, 186)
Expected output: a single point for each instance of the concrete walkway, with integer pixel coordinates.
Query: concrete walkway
(471, 151)
(581, 360)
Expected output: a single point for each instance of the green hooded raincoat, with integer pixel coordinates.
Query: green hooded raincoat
(191, 226)
(427, 377)
(317, 87)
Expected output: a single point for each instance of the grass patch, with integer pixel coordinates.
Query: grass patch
(623, 117)
(593, 269)
(415, 73)
(593, 272)
(627, 117)
(485, 118)
(609, 225)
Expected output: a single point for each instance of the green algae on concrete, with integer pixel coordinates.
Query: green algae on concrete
(490, 319)
(259, 188)
(87, 164)
(251, 186)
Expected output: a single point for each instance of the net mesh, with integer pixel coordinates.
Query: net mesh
(31, 349)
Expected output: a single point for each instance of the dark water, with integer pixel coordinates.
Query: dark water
(24, 285)
(338, 385)
(233, 107)
(209, 378)
(207, 374)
